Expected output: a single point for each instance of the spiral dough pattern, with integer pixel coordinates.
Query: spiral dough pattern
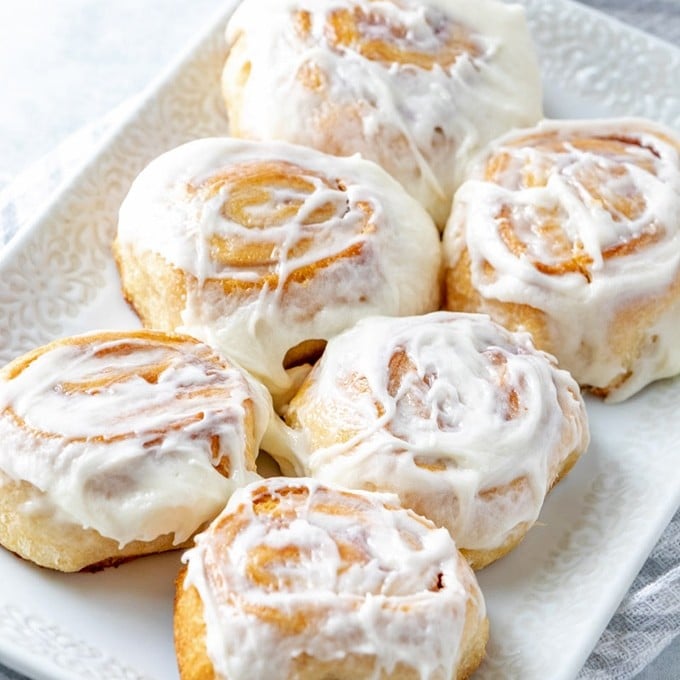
(417, 87)
(118, 439)
(332, 583)
(571, 230)
(267, 250)
(469, 424)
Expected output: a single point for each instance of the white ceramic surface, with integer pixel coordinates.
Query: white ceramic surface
(551, 598)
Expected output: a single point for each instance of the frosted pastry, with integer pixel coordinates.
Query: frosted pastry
(416, 86)
(119, 444)
(297, 579)
(468, 423)
(267, 250)
(571, 230)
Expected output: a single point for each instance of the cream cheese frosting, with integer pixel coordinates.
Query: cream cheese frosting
(303, 569)
(442, 409)
(122, 432)
(581, 221)
(280, 244)
(417, 87)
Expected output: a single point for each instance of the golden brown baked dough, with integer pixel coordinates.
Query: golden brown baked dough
(267, 250)
(571, 231)
(417, 87)
(468, 423)
(119, 444)
(312, 581)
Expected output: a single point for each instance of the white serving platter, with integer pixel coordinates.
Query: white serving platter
(551, 598)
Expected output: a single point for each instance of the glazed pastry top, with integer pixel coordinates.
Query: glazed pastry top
(442, 77)
(298, 244)
(445, 402)
(301, 568)
(125, 432)
(578, 219)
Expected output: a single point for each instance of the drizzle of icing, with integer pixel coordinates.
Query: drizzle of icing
(304, 569)
(133, 434)
(281, 245)
(417, 87)
(579, 219)
(443, 406)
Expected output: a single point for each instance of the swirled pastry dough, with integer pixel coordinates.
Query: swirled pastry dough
(468, 423)
(304, 580)
(266, 250)
(116, 444)
(571, 230)
(417, 87)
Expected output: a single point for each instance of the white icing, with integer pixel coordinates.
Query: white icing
(395, 270)
(453, 409)
(421, 124)
(284, 444)
(580, 312)
(383, 600)
(130, 457)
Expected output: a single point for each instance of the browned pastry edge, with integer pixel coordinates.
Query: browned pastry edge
(189, 633)
(478, 559)
(153, 288)
(461, 296)
(57, 545)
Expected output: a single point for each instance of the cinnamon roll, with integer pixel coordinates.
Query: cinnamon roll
(468, 423)
(571, 230)
(416, 86)
(119, 444)
(297, 579)
(267, 250)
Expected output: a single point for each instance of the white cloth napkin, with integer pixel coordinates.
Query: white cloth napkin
(647, 620)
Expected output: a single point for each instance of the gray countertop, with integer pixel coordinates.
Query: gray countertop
(66, 63)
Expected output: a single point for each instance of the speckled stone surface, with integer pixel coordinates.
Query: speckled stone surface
(67, 63)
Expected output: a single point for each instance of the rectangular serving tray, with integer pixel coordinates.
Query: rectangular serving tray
(551, 598)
